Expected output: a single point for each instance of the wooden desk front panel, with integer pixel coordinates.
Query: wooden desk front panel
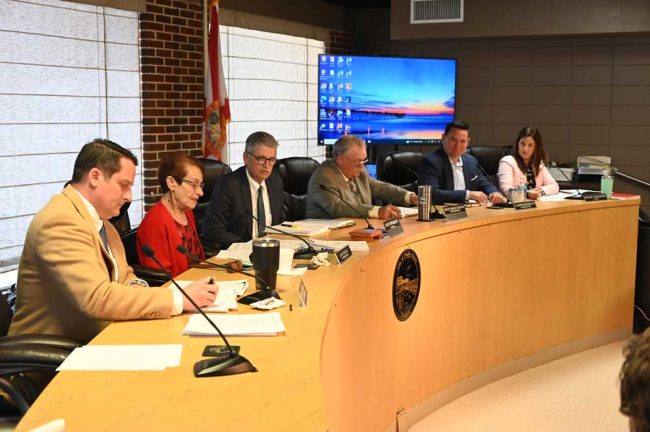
(489, 294)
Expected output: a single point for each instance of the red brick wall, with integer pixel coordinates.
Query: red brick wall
(341, 42)
(171, 50)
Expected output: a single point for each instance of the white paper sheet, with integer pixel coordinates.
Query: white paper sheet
(123, 357)
(226, 295)
(261, 324)
(355, 246)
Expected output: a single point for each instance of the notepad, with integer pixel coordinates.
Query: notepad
(262, 324)
(123, 357)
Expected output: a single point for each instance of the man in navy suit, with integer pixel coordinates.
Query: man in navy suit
(453, 175)
(248, 191)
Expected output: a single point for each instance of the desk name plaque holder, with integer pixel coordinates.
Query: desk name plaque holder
(392, 227)
(454, 212)
(303, 294)
(523, 205)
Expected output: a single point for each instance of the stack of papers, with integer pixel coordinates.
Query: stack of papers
(309, 227)
(123, 357)
(242, 251)
(594, 165)
(408, 211)
(355, 246)
(226, 296)
(268, 324)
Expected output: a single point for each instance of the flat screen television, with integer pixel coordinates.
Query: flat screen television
(385, 100)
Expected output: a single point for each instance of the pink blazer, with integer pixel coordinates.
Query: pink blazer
(510, 176)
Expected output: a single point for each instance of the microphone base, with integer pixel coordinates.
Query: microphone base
(366, 234)
(257, 296)
(436, 215)
(231, 365)
(308, 254)
(575, 197)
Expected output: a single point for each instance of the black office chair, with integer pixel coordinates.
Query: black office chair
(214, 169)
(399, 168)
(488, 157)
(295, 173)
(122, 222)
(23, 357)
(153, 276)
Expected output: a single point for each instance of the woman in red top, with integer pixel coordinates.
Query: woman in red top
(171, 222)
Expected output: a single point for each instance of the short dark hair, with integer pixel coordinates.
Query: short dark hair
(539, 155)
(457, 124)
(175, 164)
(635, 381)
(102, 154)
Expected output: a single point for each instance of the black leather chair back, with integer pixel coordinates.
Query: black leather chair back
(214, 169)
(122, 222)
(153, 276)
(399, 168)
(488, 157)
(295, 173)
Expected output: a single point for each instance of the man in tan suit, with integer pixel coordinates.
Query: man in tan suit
(344, 178)
(73, 278)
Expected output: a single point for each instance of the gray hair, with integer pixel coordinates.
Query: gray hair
(343, 144)
(260, 138)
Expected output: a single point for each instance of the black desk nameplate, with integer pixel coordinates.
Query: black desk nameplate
(343, 254)
(454, 212)
(594, 197)
(523, 205)
(393, 226)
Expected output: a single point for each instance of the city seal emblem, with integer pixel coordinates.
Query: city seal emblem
(406, 284)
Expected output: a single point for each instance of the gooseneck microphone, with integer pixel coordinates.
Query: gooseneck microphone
(247, 299)
(578, 195)
(310, 252)
(336, 194)
(233, 363)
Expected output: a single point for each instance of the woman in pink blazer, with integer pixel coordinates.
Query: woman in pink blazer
(527, 165)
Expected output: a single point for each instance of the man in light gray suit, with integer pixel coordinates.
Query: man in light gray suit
(344, 178)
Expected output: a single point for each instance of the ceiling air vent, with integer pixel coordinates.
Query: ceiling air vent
(436, 11)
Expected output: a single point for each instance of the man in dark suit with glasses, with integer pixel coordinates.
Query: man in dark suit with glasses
(246, 192)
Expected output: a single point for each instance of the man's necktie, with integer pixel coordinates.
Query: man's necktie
(353, 188)
(261, 214)
(102, 234)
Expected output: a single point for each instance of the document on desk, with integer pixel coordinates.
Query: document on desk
(226, 295)
(123, 357)
(408, 211)
(242, 251)
(263, 324)
(355, 246)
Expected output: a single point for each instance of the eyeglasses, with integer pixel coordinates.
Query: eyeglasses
(358, 162)
(261, 160)
(195, 184)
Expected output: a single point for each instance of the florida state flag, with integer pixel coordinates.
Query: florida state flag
(217, 109)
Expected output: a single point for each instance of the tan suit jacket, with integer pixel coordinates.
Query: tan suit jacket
(322, 204)
(65, 276)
